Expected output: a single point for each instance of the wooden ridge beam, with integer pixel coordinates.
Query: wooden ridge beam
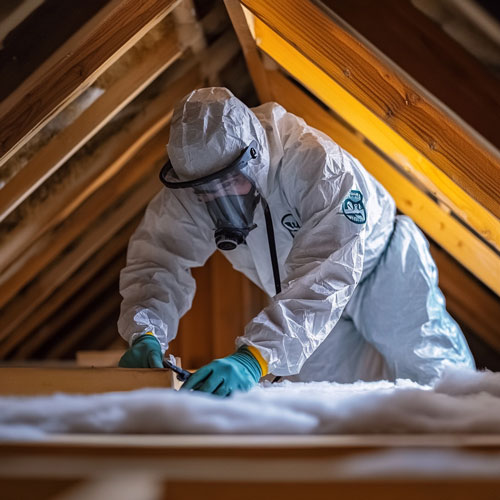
(25, 326)
(439, 225)
(422, 129)
(87, 125)
(37, 381)
(133, 201)
(86, 55)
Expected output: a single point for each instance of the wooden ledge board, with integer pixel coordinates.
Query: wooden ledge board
(271, 446)
(36, 381)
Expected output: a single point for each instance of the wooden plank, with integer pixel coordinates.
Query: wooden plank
(22, 381)
(92, 49)
(250, 52)
(421, 127)
(421, 48)
(95, 170)
(306, 447)
(99, 359)
(87, 125)
(24, 326)
(326, 489)
(227, 302)
(439, 225)
(194, 337)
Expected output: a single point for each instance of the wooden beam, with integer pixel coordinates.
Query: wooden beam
(193, 342)
(421, 48)
(250, 52)
(416, 126)
(33, 381)
(466, 247)
(99, 359)
(95, 170)
(261, 447)
(91, 50)
(439, 225)
(227, 306)
(88, 124)
(31, 321)
(384, 137)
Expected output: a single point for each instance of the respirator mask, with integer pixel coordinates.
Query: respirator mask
(229, 194)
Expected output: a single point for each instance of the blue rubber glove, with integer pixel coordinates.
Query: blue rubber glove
(144, 353)
(238, 372)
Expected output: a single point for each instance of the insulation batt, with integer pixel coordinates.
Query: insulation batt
(462, 401)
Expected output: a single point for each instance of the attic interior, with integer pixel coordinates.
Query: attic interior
(410, 88)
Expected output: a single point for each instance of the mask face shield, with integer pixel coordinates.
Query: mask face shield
(230, 196)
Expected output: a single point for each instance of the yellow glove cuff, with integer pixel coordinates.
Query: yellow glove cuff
(258, 356)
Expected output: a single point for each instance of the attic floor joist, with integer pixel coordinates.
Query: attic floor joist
(478, 254)
(45, 92)
(228, 467)
(36, 381)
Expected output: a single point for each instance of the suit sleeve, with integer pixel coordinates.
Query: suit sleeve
(156, 285)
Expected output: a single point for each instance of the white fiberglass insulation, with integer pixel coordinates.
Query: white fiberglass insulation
(462, 401)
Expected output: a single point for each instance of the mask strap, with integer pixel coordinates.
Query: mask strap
(272, 245)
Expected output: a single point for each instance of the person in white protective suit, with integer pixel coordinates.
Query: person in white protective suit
(353, 287)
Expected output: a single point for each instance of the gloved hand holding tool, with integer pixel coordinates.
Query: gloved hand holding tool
(238, 372)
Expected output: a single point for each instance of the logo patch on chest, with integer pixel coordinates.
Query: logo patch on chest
(290, 223)
(353, 207)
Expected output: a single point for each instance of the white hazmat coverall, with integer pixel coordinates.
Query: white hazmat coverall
(359, 296)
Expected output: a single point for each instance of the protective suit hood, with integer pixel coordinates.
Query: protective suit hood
(210, 127)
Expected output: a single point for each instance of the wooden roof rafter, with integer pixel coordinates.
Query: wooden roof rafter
(44, 92)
